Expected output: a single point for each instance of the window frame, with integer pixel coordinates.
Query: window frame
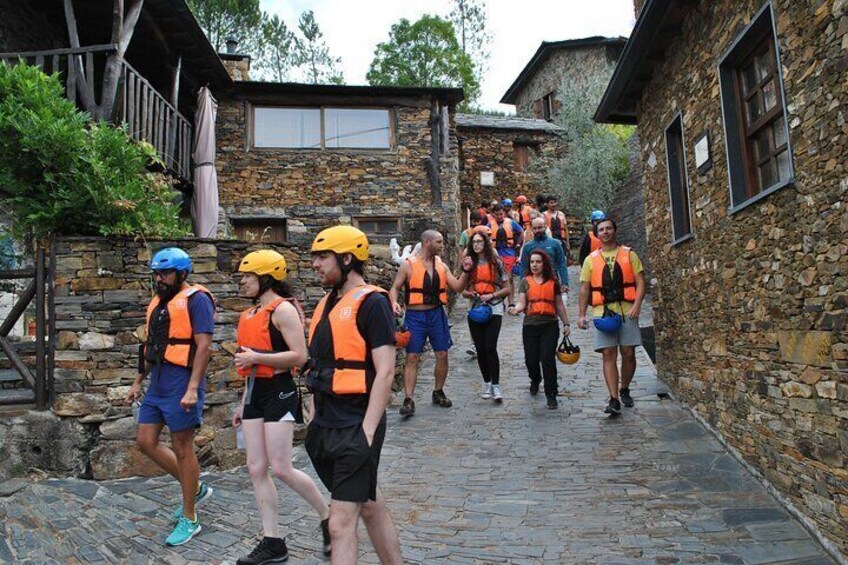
(392, 121)
(523, 152)
(548, 106)
(246, 221)
(397, 219)
(739, 137)
(677, 120)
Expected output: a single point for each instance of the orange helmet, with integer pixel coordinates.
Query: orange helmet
(402, 335)
(482, 228)
(521, 199)
(567, 352)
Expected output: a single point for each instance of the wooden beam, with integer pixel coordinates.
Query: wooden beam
(40, 333)
(86, 91)
(18, 309)
(17, 362)
(123, 27)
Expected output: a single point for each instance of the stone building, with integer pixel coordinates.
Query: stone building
(495, 154)
(743, 140)
(294, 158)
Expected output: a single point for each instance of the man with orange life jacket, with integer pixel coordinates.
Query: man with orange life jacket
(540, 298)
(523, 211)
(507, 236)
(180, 323)
(555, 221)
(591, 241)
(613, 282)
(350, 373)
(426, 280)
(271, 345)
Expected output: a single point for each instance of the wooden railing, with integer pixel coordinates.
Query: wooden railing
(148, 115)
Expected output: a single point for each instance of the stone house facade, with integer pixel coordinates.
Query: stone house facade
(295, 158)
(743, 141)
(495, 155)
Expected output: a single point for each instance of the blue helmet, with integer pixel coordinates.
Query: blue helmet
(480, 313)
(609, 323)
(597, 216)
(507, 202)
(171, 258)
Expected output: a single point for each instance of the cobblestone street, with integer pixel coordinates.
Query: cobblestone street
(476, 483)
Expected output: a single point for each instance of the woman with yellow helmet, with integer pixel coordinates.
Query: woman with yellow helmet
(271, 345)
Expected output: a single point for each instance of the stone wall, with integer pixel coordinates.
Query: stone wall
(313, 189)
(102, 289)
(572, 65)
(751, 313)
(492, 150)
(23, 28)
(628, 209)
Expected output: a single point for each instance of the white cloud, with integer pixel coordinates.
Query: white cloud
(353, 30)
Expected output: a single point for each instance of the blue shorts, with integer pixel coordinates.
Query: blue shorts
(157, 409)
(424, 324)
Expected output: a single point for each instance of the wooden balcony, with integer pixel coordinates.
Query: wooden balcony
(147, 114)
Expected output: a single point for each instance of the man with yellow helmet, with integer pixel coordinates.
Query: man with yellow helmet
(271, 344)
(350, 372)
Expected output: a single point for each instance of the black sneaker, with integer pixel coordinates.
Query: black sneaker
(614, 407)
(440, 399)
(626, 399)
(269, 550)
(408, 408)
(534, 388)
(325, 533)
(552, 403)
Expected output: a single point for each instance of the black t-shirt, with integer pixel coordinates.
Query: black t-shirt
(376, 324)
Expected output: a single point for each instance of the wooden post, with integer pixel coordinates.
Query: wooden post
(86, 91)
(18, 309)
(123, 28)
(51, 324)
(40, 334)
(175, 102)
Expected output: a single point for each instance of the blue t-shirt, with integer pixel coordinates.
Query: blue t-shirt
(167, 379)
(505, 250)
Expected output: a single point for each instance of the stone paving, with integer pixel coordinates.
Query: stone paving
(475, 484)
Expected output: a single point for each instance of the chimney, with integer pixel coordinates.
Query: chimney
(237, 64)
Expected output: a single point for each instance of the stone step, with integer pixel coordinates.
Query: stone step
(16, 396)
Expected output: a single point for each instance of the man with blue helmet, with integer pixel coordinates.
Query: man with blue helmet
(180, 323)
(613, 282)
(590, 240)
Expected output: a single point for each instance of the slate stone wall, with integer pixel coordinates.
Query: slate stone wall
(628, 209)
(751, 313)
(102, 291)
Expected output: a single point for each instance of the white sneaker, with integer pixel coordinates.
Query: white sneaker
(496, 393)
(487, 390)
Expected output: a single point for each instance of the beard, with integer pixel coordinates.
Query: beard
(539, 236)
(166, 292)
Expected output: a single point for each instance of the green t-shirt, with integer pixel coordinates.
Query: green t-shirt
(623, 307)
(463, 239)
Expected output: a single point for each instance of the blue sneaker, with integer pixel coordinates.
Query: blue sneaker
(203, 494)
(183, 531)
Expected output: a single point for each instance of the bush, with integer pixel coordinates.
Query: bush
(63, 174)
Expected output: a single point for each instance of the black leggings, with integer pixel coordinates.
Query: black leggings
(485, 338)
(540, 343)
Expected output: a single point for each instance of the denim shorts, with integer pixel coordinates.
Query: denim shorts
(424, 324)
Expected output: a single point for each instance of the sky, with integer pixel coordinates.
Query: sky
(353, 28)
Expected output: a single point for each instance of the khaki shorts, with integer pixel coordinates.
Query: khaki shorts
(627, 335)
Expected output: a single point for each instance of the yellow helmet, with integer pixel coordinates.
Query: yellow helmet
(264, 262)
(567, 352)
(342, 239)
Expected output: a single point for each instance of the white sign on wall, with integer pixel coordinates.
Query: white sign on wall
(702, 153)
(487, 178)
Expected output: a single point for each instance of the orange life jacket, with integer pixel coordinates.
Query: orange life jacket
(561, 231)
(540, 298)
(346, 372)
(415, 291)
(524, 215)
(594, 242)
(506, 226)
(616, 286)
(485, 278)
(254, 331)
(179, 345)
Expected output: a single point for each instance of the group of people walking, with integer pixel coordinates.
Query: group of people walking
(348, 357)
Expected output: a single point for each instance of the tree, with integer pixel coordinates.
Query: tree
(277, 54)
(220, 19)
(469, 20)
(596, 161)
(426, 54)
(312, 53)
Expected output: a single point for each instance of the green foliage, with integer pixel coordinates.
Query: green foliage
(426, 54)
(596, 161)
(313, 54)
(63, 174)
(220, 19)
(469, 20)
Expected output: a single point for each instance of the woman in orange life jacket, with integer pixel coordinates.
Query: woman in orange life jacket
(271, 343)
(540, 298)
(487, 284)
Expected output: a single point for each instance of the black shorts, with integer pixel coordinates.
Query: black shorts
(275, 399)
(344, 462)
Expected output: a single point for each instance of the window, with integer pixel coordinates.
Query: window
(548, 106)
(678, 180)
(378, 226)
(322, 128)
(758, 149)
(521, 156)
(260, 229)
